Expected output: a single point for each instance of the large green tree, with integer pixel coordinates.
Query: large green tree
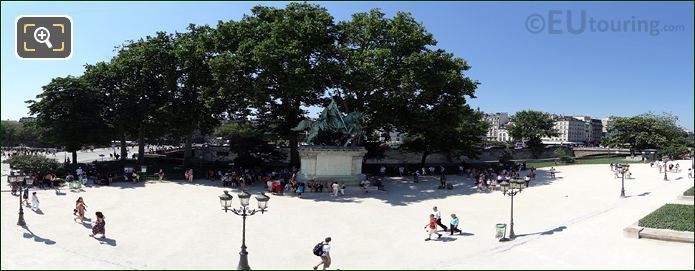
(250, 143)
(118, 111)
(530, 126)
(284, 57)
(453, 129)
(195, 103)
(147, 74)
(648, 131)
(69, 109)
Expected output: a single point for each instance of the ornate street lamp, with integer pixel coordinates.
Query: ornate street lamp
(20, 185)
(511, 188)
(244, 211)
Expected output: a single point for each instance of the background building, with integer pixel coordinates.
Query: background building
(497, 130)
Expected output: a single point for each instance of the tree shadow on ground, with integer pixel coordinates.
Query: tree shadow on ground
(548, 232)
(30, 234)
(401, 191)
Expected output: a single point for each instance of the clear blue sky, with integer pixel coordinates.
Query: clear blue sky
(616, 72)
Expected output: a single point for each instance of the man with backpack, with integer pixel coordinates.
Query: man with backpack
(323, 250)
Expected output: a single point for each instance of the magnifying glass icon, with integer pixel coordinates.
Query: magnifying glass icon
(42, 35)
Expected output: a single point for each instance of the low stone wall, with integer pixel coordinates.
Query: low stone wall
(635, 231)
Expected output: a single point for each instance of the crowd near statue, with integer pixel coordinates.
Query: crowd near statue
(349, 127)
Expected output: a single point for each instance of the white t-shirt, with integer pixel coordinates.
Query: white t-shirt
(437, 214)
(336, 186)
(326, 248)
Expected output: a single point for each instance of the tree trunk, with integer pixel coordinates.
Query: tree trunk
(424, 158)
(294, 152)
(294, 118)
(141, 145)
(74, 157)
(188, 153)
(124, 146)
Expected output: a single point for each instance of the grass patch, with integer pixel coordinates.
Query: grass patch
(688, 192)
(677, 217)
(588, 161)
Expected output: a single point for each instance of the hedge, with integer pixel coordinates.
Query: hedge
(677, 217)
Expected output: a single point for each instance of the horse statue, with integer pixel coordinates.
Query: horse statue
(331, 119)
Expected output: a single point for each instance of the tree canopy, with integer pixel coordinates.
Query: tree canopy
(648, 131)
(530, 126)
(273, 64)
(69, 110)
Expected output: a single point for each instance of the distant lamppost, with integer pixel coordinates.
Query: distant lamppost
(244, 211)
(665, 168)
(511, 188)
(622, 169)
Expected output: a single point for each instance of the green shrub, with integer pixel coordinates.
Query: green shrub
(563, 155)
(677, 217)
(688, 192)
(34, 163)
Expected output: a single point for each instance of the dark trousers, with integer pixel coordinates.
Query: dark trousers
(454, 229)
(439, 222)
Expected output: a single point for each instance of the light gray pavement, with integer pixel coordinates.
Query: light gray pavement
(573, 222)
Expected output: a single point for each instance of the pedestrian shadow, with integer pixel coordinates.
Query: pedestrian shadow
(548, 232)
(445, 239)
(106, 241)
(467, 234)
(60, 193)
(639, 195)
(38, 211)
(36, 238)
(86, 224)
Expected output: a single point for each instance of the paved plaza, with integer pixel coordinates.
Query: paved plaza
(573, 222)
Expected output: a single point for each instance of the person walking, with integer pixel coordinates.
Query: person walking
(335, 187)
(438, 216)
(161, 175)
(99, 226)
(454, 224)
(34, 201)
(401, 171)
(527, 179)
(25, 196)
(442, 181)
(690, 173)
(432, 228)
(80, 208)
(416, 174)
(324, 253)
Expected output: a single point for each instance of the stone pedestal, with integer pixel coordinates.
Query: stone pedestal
(329, 163)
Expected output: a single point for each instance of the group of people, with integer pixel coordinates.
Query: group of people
(99, 226)
(14, 151)
(34, 199)
(489, 179)
(435, 219)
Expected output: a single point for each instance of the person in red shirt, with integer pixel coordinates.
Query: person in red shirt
(432, 228)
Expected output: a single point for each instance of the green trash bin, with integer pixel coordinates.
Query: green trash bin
(501, 230)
